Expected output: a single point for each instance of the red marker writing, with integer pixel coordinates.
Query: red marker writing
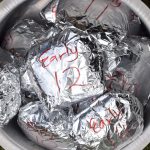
(97, 126)
(45, 59)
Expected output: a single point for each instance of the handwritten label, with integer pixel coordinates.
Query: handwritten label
(47, 58)
(98, 126)
(92, 1)
(43, 132)
(122, 80)
(114, 3)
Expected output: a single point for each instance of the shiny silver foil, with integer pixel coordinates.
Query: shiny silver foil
(23, 36)
(10, 96)
(127, 67)
(69, 71)
(110, 122)
(50, 11)
(49, 129)
(67, 67)
(28, 85)
(85, 12)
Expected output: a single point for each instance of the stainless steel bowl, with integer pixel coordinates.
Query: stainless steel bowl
(11, 137)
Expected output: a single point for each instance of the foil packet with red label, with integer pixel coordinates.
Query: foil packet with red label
(49, 129)
(63, 68)
(113, 13)
(110, 121)
(132, 69)
(69, 65)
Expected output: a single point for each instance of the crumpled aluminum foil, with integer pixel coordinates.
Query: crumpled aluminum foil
(67, 67)
(128, 69)
(140, 71)
(23, 36)
(72, 61)
(110, 122)
(85, 12)
(49, 13)
(60, 72)
(28, 85)
(10, 96)
(49, 129)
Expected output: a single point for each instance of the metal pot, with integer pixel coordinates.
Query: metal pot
(11, 137)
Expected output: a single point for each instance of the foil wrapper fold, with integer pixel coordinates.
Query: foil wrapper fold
(10, 96)
(127, 67)
(85, 12)
(68, 67)
(81, 76)
(49, 13)
(28, 89)
(109, 122)
(49, 129)
(23, 36)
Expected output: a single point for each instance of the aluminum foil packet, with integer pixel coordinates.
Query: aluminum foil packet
(62, 68)
(10, 95)
(109, 122)
(49, 129)
(23, 36)
(127, 67)
(69, 65)
(18, 41)
(85, 12)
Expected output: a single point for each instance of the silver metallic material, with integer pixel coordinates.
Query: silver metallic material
(49, 129)
(67, 67)
(50, 11)
(127, 66)
(110, 12)
(24, 35)
(7, 12)
(10, 96)
(110, 122)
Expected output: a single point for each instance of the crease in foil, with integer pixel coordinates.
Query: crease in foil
(47, 128)
(132, 69)
(86, 12)
(67, 67)
(10, 96)
(25, 34)
(50, 11)
(72, 61)
(28, 87)
(109, 121)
